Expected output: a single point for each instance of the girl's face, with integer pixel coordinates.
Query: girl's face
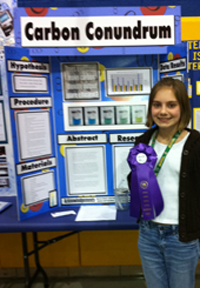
(165, 110)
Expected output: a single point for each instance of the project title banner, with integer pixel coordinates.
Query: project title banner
(97, 31)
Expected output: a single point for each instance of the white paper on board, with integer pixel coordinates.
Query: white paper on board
(34, 134)
(86, 170)
(121, 167)
(36, 188)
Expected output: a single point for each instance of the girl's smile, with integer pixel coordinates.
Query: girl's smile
(165, 109)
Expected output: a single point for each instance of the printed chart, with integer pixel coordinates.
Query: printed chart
(128, 81)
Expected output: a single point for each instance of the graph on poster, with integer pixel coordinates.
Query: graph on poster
(128, 81)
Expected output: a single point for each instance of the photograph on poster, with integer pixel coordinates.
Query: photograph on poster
(85, 170)
(91, 116)
(128, 81)
(107, 115)
(36, 188)
(3, 135)
(34, 134)
(175, 76)
(4, 182)
(23, 83)
(75, 116)
(113, 115)
(138, 114)
(120, 164)
(81, 81)
(122, 115)
(53, 198)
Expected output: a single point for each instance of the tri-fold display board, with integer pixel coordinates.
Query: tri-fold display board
(75, 118)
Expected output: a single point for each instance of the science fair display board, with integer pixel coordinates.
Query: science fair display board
(75, 118)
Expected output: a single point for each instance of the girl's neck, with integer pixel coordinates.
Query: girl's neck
(165, 135)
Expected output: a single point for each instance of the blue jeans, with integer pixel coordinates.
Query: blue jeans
(167, 262)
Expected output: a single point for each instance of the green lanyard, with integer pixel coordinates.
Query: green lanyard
(169, 146)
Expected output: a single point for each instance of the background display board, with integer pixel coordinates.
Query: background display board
(193, 81)
(7, 169)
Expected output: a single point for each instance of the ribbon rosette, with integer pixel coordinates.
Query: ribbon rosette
(145, 191)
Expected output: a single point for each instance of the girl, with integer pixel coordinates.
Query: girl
(169, 244)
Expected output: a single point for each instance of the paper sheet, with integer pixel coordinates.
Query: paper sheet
(96, 213)
(34, 134)
(86, 171)
(36, 187)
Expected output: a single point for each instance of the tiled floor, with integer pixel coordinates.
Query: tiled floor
(89, 282)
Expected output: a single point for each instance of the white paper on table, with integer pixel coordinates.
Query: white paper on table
(96, 213)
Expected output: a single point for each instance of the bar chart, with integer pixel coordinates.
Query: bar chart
(128, 81)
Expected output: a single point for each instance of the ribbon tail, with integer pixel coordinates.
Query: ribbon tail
(156, 195)
(144, 183)
(135, 199)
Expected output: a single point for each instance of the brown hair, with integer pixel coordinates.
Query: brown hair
(181, 95)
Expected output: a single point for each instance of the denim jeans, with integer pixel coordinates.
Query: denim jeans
(167, 262)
